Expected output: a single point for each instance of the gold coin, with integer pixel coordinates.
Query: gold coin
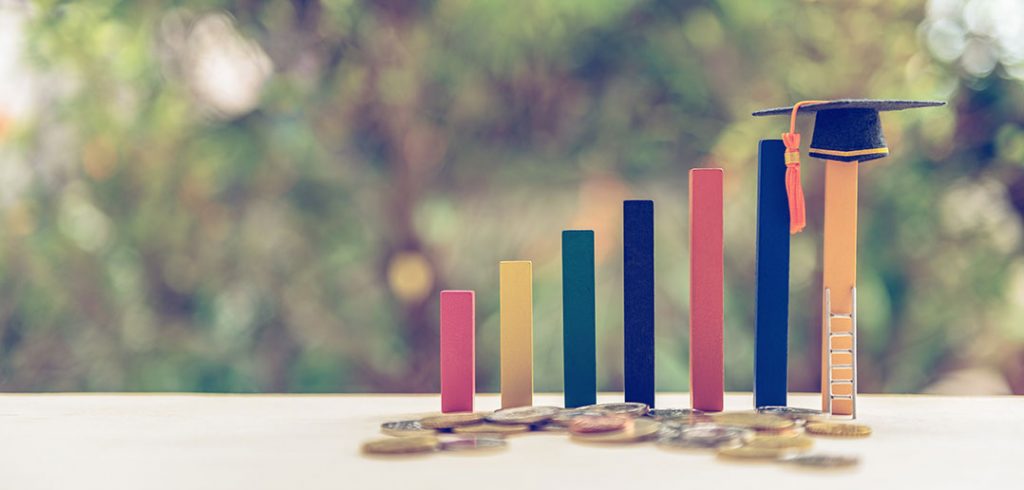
(401, 445)
(794, 431)
(636, 430)
(598, 423)
(756, 421)
(750, 452)
(452, 420)
(798, 443)
(490, 428)
(837, 429)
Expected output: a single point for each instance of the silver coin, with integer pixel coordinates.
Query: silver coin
(670, 429)
(472, 443)
(676, 414)
(789, 412)
(404, 428)
(523, 415)
(821, 460)
(707, 436)
(565, 416)
(629, 408)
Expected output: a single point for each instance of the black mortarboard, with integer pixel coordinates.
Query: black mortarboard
(849, 130)
(845, 130)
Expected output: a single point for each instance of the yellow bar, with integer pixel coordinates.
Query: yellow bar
(840, 269)
(516, 294)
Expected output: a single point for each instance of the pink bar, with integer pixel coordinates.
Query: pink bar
(707, 373)
(458, 370)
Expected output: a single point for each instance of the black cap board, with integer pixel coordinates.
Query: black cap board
(849, 130)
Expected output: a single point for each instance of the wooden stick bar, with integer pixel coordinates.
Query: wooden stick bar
(516, 298)
(771, 318)
(707, 372)
(839, 263)
(458, 369)
(578, 323)
(638, 300)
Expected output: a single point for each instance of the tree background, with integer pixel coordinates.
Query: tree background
(257, 195)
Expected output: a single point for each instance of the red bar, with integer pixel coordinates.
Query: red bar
(707, 373)
(458, 370)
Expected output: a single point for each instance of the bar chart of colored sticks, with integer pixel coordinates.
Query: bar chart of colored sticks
(457, 318)
(847, 132)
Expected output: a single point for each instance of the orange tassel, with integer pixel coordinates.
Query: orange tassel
(794, 189)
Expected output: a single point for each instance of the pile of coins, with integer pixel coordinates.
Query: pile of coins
(778, 434)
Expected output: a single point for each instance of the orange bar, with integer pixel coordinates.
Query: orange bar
(840, 271)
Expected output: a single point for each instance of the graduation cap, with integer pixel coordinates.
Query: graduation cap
(845, 130)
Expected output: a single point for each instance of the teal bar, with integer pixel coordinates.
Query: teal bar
(578, 322)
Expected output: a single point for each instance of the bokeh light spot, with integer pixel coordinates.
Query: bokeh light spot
(410, 276)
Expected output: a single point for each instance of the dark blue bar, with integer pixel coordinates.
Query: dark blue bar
(771, 320)
(578, 342)
(638, 294)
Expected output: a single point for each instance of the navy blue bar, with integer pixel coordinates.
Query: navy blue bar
(578, 342)
(638, 294)
(771, 320)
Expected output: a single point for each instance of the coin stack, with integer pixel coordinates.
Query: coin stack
(777, 434)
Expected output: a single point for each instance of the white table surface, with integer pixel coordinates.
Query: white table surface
(182, 441)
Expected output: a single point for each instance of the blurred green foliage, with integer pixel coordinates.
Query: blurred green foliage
(267, 196)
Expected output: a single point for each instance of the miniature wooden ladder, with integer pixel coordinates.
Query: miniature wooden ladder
(849, 382)
(839, 279)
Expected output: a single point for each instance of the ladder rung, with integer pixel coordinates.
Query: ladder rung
(841, 381)
(840, 334)
(841, 315)
(841, 397)
(842, 366)
(840, 351)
